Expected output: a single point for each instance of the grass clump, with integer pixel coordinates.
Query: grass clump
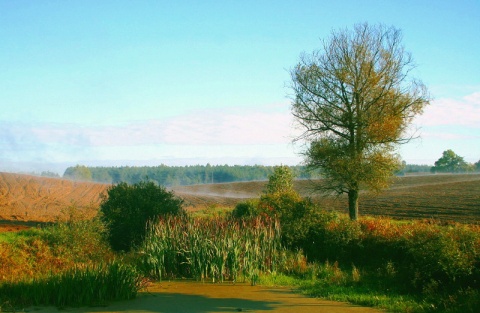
(40, 252)
(350, 284)
(90, 285)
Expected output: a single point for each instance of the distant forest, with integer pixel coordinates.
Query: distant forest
(196, 174)
(178, 175)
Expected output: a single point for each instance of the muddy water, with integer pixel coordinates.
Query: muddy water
(208, 297)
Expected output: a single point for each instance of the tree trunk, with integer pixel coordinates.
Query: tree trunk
(353, 204)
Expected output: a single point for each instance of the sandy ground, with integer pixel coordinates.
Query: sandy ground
(203, 298)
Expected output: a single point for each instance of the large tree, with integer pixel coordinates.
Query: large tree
(354, 100)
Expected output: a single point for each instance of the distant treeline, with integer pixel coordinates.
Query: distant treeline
(414, 168)
(195, 174)
(179, 175)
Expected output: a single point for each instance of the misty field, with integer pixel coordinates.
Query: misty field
(444, 197)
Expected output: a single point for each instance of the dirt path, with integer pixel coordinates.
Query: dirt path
(203, 298)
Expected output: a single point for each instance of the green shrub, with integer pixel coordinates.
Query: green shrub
(79, 240)
(296, 216)
(296, 220)
(127, 209)
(440, 257)
(281, 181)
(333, 237)
(246, 209)
(280, 201)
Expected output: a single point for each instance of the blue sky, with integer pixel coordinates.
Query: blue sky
(191, 82)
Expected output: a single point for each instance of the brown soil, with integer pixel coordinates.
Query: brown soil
(454, 197)
(40, 199)
(206, 297)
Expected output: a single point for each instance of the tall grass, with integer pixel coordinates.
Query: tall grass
(66, 264)
(216, 248)
(90, 285)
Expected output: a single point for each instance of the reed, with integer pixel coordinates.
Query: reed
(214, 248)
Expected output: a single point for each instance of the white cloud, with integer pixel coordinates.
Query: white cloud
(473, 98)
(210, 127)
(225, 134)
(232, 127)
(249, 133)
(447, 123)
(464, 112)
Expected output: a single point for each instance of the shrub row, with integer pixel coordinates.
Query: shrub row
(423, 255)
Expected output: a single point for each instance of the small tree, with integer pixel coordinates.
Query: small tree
(450, 162)
(128, 208)
(280, 181)
(278, 196)
(354, 100)
(79, 172)
(280, 200)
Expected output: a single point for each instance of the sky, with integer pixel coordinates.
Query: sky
(113, 83)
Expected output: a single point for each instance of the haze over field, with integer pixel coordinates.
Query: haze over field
(147, 82)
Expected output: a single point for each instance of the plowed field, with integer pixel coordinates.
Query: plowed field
(441, 197)
(26, 198)
(39, 199)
